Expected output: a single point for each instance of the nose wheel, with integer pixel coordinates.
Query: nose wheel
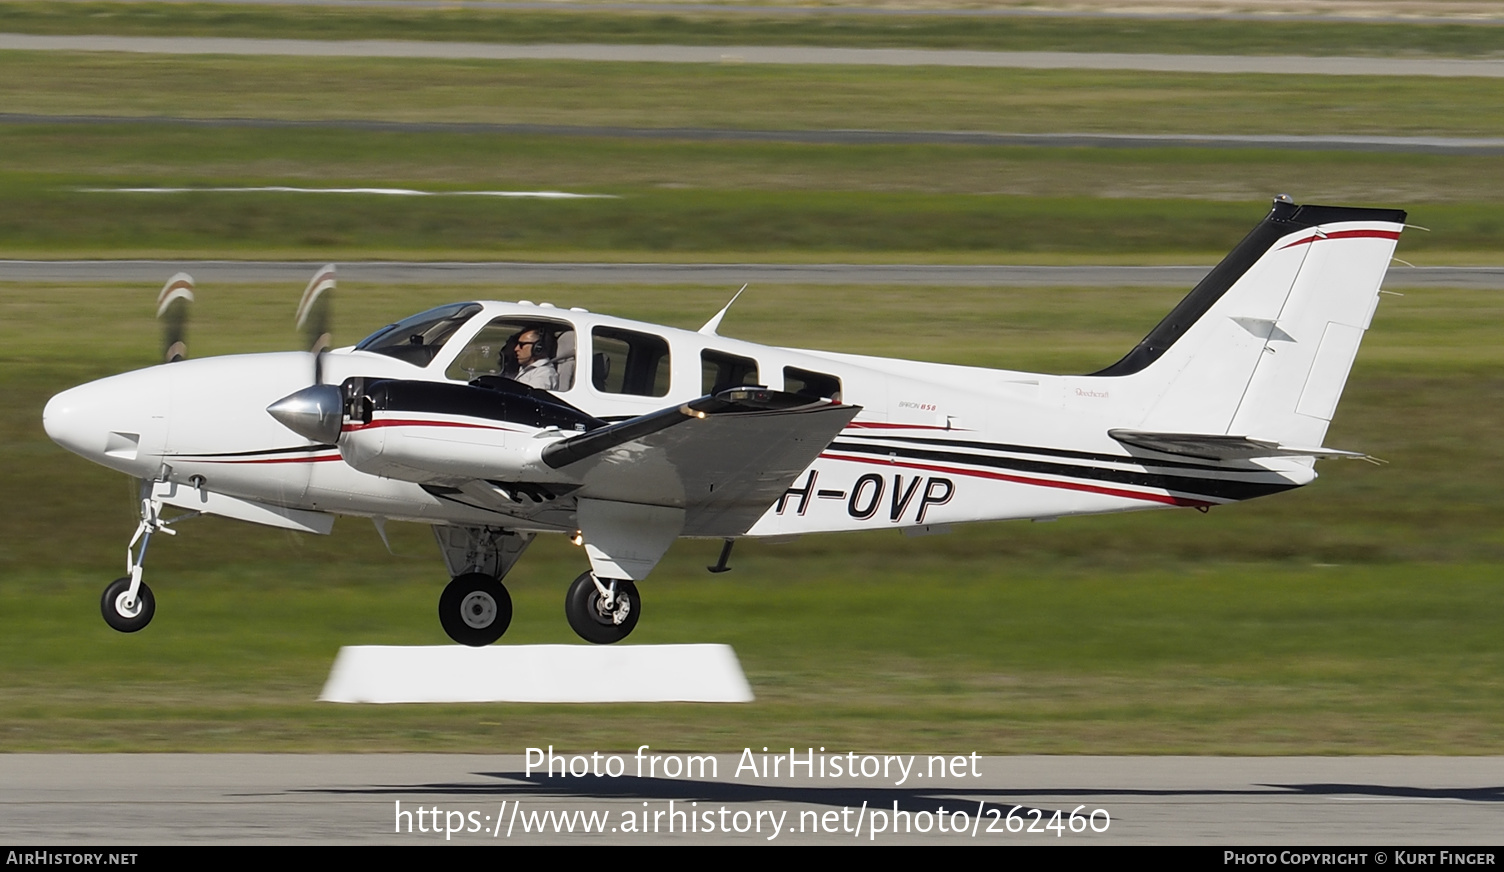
(125, 611)
(602, 610)
(475, 609)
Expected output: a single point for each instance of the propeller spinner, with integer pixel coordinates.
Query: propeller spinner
(317, 411)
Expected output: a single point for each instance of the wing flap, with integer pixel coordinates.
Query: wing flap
(723, 462)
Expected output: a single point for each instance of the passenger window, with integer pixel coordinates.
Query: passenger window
(626, 362)
(719, 371)
(539, 354)
(815, 385)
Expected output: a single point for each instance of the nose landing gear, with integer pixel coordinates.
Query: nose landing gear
(127, 603)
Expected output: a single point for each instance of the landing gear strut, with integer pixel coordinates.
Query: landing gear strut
(127, 603)
(602, 610)
(475, 609)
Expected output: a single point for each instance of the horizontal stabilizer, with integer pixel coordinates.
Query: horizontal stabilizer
(1213, 446)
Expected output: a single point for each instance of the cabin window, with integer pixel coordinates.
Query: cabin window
(815, 385)
(534, 352)
(719, 371)
(418, 339)
(627, 362)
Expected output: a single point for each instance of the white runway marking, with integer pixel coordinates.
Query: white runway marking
(389, 192)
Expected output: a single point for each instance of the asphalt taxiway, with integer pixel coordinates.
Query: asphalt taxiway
(129, 799)
(502, 273)
(763, 54)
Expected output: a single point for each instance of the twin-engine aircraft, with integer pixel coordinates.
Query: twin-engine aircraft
(496, 422)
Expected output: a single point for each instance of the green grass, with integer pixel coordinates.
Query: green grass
(700, 28)
(694, 200)
(746, 96)
(56, 156)
(648, 224)
(1358, 615)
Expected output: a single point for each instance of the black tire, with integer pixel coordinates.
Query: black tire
(112, 606)
(582, 607)
(475, 609)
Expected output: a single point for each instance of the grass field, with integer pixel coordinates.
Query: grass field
(702, 28)
(750, 96)
(722, 199)
(1359, 615)
(678, 200)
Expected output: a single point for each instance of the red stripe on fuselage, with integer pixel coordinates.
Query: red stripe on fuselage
(874, 425)
(417, 422)
(1021, 479)
(1345, 234)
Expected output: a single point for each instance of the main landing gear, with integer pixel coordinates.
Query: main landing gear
(602, 610)
(475, 609)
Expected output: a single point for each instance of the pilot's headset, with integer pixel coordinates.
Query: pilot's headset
(543, 349)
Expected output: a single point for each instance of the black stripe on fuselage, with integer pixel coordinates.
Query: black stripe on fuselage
(1046, 452)
(258, 453)
(1216, 488)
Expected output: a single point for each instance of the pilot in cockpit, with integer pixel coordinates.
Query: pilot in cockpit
(527, 358)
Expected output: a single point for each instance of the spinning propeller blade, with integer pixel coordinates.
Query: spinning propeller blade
(317, 411)
(316, 317)
(172, 311)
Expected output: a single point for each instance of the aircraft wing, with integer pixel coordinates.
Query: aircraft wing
(723, 459)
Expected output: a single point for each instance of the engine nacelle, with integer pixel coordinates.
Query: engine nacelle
(437, 433)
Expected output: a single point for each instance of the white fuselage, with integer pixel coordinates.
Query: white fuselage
(933, 444)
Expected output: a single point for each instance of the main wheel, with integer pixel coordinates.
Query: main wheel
(475, 609)
(584, 606)
(120, 613)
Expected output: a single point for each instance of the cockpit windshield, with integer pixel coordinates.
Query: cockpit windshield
(418, 339)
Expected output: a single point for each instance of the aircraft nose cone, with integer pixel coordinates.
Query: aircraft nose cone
(119, 421)
(316, 413)
(65, 423)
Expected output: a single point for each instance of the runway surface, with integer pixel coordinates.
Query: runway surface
(1035, 60)
(501, 274)
(1424, 12)
(131, 799)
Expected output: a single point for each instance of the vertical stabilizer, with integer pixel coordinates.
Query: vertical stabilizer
(1263, 345)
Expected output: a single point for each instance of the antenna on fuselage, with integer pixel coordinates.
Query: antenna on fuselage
(711, 325)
